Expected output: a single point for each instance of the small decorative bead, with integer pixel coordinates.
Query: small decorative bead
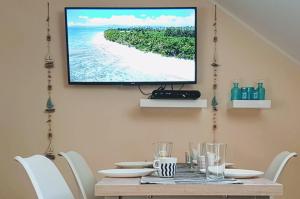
(214, 64)
(50, 110)
(215, 39)
(48, 38)
(49, 63)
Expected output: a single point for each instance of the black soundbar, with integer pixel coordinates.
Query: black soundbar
(175, 94)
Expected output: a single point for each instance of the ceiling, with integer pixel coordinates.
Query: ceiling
(276, 21)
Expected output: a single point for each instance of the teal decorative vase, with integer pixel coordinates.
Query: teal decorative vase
(244, 93)
(235, 92)
(254, 95)
(250, 91)
(261, 91)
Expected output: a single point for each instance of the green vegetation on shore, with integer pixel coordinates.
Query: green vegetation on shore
(171, 42)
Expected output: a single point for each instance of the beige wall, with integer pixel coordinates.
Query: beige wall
(105, 123)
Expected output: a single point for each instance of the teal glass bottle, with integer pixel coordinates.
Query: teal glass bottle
(261, 91)
(244, 93)
(250, 91)
(235, 91)
(254, 95)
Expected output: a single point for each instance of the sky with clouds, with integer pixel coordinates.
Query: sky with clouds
(131, 17)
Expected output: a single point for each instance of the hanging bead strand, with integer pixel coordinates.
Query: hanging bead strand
(215, 65)
(49, 65)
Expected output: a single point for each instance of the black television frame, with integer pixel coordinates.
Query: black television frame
(131, 83)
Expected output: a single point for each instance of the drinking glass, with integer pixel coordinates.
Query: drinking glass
(195, 150)
(215, 160)
(162, 149)
(201, 165)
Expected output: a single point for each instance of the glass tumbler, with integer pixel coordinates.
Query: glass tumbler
(215, 160)
(162, 149)
(201, 162)
(196, 153)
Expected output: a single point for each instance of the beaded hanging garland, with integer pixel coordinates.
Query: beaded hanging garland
(215, 65)
(49, 65)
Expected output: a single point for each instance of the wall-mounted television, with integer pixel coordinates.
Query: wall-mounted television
(136, 45)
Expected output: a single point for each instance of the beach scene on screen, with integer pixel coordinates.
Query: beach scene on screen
(131, 45)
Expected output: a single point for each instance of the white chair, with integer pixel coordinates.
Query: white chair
(82, 172)
(45, 177)
(277, 165)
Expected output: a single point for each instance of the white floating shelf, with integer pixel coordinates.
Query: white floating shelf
(160, 103)
(251, 104)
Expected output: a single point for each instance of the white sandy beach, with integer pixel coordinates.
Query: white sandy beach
(149, 63)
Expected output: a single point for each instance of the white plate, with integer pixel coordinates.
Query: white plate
(126, 173)
(134, 164)
(242, 173)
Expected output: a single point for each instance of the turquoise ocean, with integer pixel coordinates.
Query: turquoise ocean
(87, 63)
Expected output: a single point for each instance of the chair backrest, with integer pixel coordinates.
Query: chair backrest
(45, 177)
(82, 172)
(277, 165)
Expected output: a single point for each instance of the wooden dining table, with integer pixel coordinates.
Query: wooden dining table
(255, 188)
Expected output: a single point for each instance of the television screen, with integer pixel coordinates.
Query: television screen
(131, 45)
